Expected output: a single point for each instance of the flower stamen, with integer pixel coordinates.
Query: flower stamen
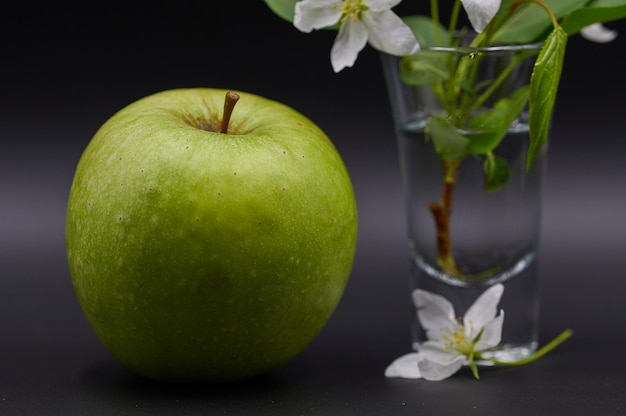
(352, 9)
(457, 339)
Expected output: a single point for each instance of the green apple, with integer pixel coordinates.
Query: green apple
(203, 248)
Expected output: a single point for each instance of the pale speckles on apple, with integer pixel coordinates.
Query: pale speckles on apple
(154, 220)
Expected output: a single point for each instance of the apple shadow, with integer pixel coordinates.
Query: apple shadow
(109, 382)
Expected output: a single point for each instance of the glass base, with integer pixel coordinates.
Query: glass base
(504, 353)
(508, 353)
(488, 280)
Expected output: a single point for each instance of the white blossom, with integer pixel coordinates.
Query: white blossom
(480, 12)
(452, 342)
(360, 22)
(598, 33)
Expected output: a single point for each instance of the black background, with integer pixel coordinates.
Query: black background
(64, 69)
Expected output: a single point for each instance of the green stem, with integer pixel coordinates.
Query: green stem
(492, 87)
(434, 13)
(538, 354)
(454, 19)
(466, 68)
(473, 366)
(555, 21)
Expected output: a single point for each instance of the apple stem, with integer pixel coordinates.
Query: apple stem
(229, 104)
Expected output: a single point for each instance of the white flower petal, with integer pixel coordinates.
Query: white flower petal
(437, 352)
(483, 310)
(480, 12)
(404, 367)
(492, 334)
(388, 33)
(434, 371)
(598, 33)
(435, 363)
(435, 313)
(316, 14)
(351, 38)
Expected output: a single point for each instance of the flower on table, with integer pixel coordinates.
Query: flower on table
(452, 342)
(361, 21)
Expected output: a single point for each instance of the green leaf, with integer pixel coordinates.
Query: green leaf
(496, 171)
(426, 32)
(491, 126)
(423, 68)
(598, 12)
(530, 23)
(449, 144)
(544, 84)
(283, 8)
(606, 3)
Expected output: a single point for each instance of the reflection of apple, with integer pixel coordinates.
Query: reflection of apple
(202, 255)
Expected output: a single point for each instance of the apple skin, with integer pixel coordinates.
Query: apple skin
(202, 256)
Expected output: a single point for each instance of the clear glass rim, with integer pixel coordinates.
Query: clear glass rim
(485, 49)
